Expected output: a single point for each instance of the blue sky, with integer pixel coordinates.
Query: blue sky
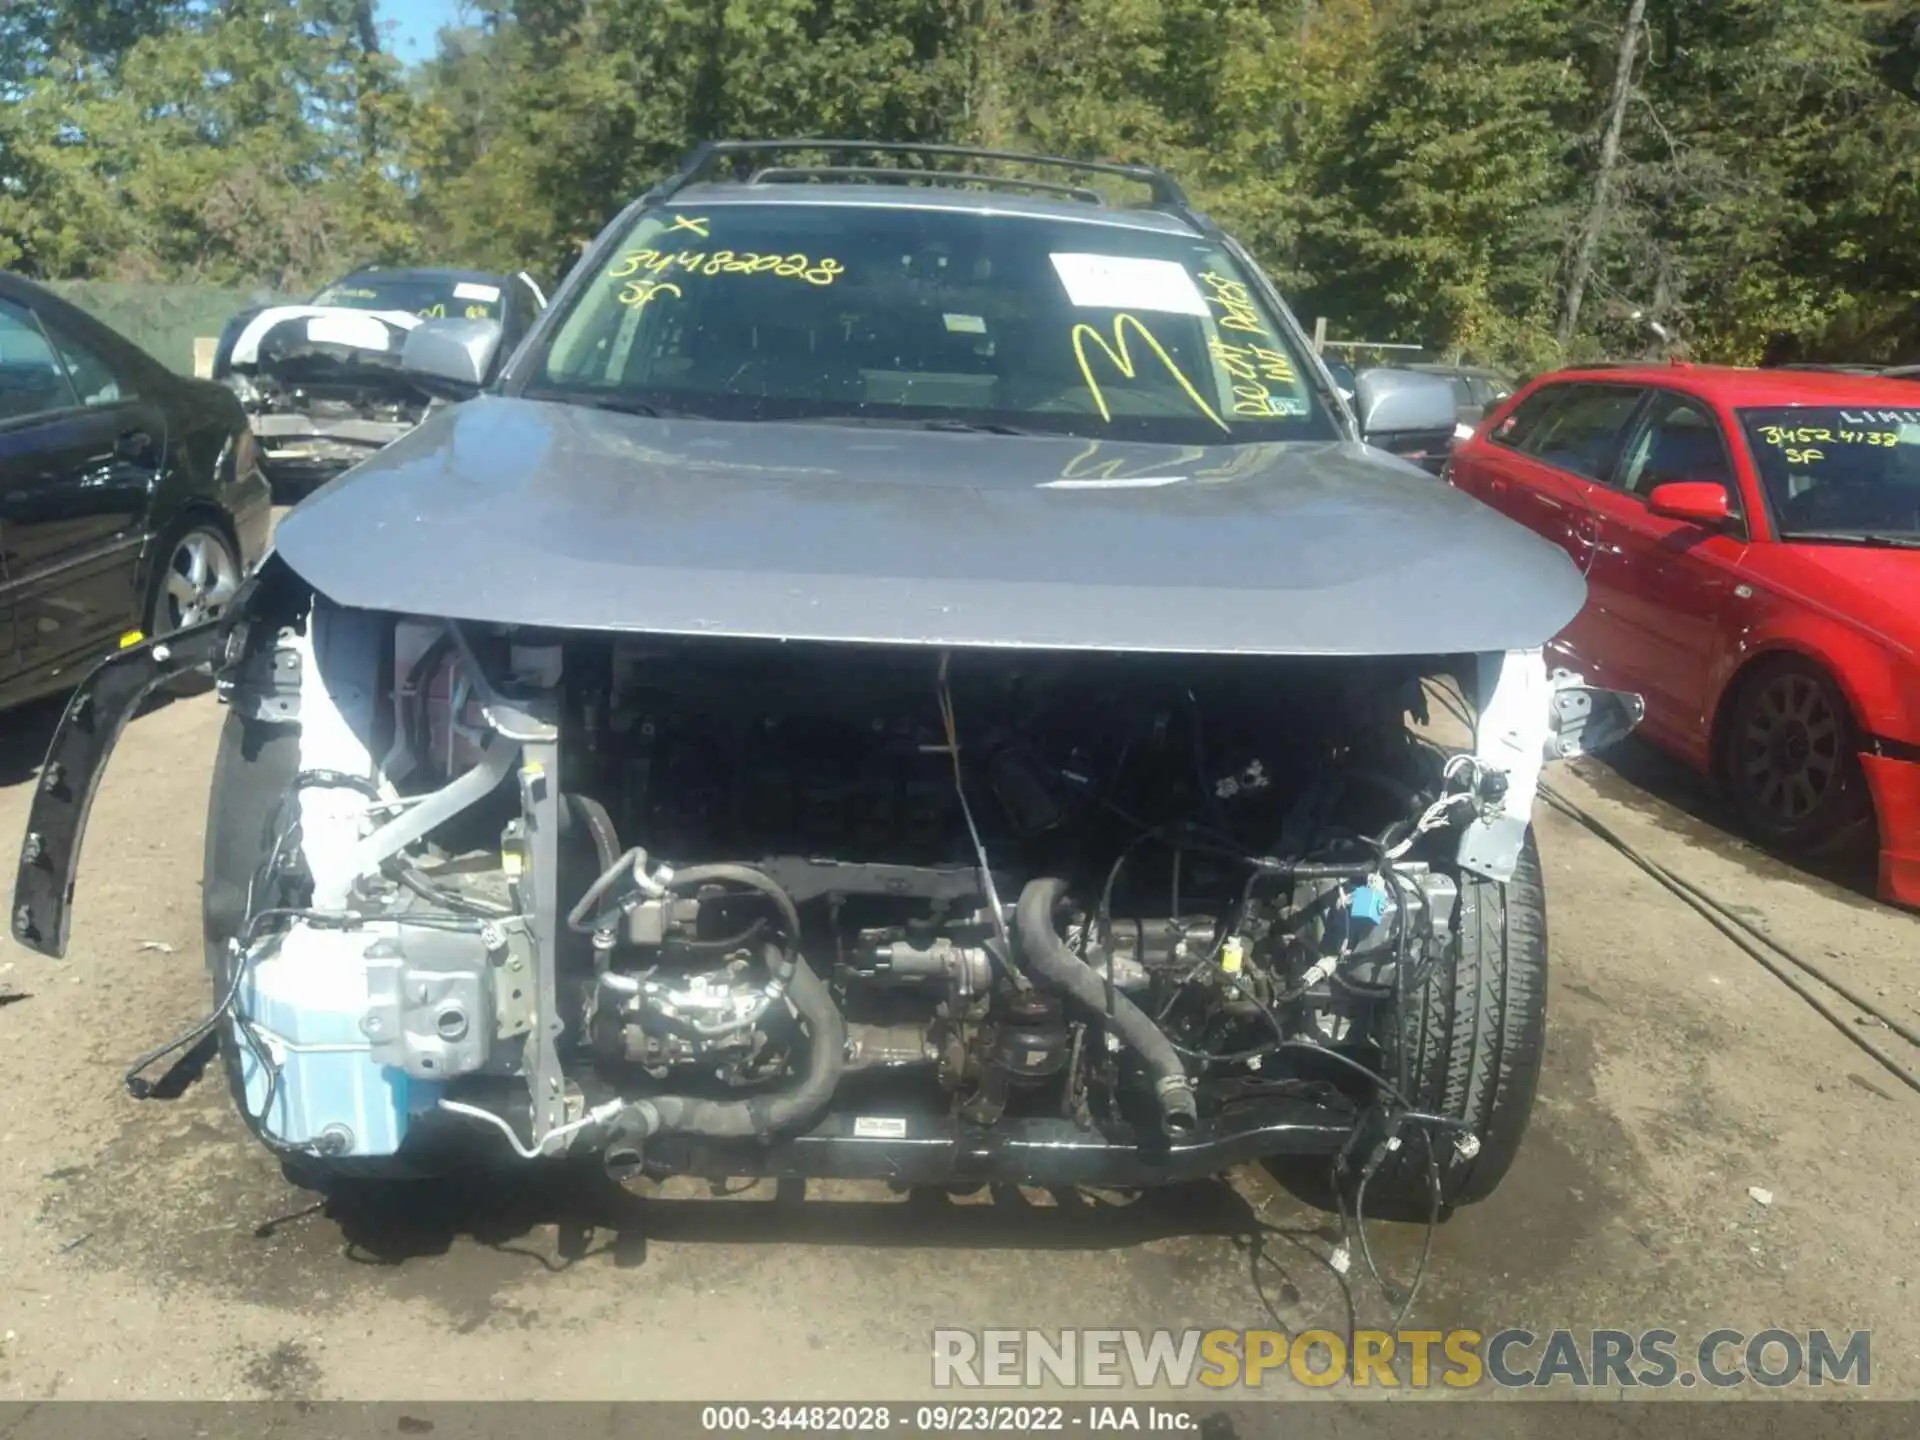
(408, 26)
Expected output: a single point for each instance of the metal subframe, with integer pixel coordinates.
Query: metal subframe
(941, 1150)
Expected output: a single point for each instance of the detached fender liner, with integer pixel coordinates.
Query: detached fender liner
(96, 714)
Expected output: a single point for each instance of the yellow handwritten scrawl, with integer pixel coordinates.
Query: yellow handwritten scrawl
(696, 223)
(637, 293)
(1122, 360)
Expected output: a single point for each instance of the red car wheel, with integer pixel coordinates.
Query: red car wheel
(1793, 756)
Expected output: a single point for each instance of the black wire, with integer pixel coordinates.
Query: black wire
(1384, 1149)
(141, 1088)
(1433, 1227)
(1385, 1086)
(420, 884)
(1241, 1056)
(1209, 797)
(1732, 926)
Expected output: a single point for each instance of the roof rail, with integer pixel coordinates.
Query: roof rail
(892, 175)
(1165, 190)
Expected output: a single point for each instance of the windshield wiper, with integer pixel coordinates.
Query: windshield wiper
(602, 400)
(1857, 537)
(891, 422)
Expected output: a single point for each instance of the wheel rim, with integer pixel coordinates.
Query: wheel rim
(1790, 748)
(201, 577)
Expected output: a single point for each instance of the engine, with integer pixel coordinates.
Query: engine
(1082, 889)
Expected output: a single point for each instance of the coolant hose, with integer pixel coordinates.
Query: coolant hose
(763, 1114)
(1052, 962)
(585, 810)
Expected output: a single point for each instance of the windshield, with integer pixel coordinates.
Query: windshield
(1839, 473)
(898, 315)
(432, 297)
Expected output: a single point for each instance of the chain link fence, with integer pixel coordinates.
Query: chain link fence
(164, 320)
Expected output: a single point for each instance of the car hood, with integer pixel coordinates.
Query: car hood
(1873, 589)
(538, 513)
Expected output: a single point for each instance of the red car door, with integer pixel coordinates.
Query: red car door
(1541, 465)
(1659, 588)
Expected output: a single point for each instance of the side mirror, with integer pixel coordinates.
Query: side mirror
(450, 359)
(1402, 404)
(1703, 502)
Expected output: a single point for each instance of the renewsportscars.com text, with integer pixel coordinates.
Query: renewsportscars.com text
(1405, 1359)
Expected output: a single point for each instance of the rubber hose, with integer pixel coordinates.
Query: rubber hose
(584, 810)
(763, 1114)
(1047, 954)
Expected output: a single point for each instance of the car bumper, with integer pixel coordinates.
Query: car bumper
(1895, 785)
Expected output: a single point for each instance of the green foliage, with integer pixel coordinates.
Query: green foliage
(1443, 210)
(164, 320)
(1415, 170)
(254, 141)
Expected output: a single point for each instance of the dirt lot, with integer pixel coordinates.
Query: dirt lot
(148, 1250)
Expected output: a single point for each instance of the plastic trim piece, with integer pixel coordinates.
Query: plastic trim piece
(69, 777)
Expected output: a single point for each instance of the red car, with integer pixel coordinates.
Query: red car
(1751, 542)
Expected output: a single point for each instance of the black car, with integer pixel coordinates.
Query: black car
(321, 380)
(131, 501)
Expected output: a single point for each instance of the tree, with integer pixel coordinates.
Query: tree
(231, 141)
(1510, 178)
(1599, 210)
(1438, 213)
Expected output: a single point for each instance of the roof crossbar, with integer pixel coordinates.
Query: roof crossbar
(1165, 190)
(894, 175)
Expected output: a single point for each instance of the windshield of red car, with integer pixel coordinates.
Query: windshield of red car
(432, 297)
(923, 314)
(1838, 471)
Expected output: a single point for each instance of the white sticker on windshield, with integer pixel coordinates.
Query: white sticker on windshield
(966, 324)
(1128, 282)
(348, 327)
(466, 290)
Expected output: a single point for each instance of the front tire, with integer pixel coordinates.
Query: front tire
(1473, 1039)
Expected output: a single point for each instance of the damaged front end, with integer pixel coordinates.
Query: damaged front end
(323, 390)
(737, 907)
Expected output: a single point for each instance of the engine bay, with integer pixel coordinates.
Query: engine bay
(736, 905)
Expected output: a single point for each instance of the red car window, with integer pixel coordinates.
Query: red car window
(1516, 429)
(1679, 442)
(1583, 434)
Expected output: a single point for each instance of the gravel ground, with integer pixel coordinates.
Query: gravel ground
(147, 1250)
